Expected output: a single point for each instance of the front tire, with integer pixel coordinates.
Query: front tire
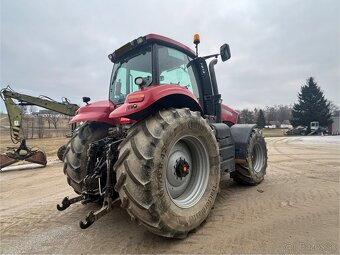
(253, 172)
(152, 181)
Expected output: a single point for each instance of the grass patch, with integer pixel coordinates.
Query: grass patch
(273, 132)
(49, 145)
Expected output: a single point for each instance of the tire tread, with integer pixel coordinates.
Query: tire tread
(244, 175)
(134, 187)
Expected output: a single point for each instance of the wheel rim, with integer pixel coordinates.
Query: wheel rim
(257, 158)
(186, 191)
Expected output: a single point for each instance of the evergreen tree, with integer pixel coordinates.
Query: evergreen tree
(261, 120)
(312, 106)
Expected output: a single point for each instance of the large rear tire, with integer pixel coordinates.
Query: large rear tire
(168, 172)
(253, 172)
(75, 158)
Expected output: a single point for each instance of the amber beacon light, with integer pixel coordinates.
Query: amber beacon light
(196, 39)
(196, 42)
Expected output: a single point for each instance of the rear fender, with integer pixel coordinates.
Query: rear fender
(146, 101)
(241, 134)
(97, 111)
(226, 146)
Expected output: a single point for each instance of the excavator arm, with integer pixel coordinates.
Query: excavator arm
(64, 107)
(15, 118)
(14, 154)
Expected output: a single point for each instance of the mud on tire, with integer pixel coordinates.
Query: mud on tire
(253, 172)
(145, 181)
(75, 158)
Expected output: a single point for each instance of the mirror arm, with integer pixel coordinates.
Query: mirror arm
(210, 56)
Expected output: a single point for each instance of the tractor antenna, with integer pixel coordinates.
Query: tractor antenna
(196, 42)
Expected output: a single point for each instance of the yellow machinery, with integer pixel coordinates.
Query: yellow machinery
(22, 152)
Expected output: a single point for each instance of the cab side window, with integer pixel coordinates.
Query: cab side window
(126, 71)
(174, 69)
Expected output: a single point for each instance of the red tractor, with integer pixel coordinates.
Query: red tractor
(159, 145)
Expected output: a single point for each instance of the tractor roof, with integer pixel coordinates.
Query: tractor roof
(168, 41)
(150, 38)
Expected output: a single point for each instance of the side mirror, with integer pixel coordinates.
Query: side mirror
(143, 81)
(225, 52)
(139, 81)
(86, 100)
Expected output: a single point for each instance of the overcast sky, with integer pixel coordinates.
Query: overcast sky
(59, 48)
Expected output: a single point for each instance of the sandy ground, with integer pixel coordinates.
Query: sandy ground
(295, 210)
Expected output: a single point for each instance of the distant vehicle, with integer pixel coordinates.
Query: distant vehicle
(314, 129)
(286, 126)
(323, 130)
(314, 125)
(299, 130)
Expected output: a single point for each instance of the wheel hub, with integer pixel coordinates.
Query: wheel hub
(187, 171)
(257, 158)
(181, 168)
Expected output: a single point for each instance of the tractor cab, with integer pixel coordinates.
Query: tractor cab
(154, 72)
(148, 61)
(154, 60)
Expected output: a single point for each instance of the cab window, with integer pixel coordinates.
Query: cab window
(126, 71)
(174, 69)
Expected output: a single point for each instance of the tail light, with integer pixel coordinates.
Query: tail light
(134, 98)
(125, 120)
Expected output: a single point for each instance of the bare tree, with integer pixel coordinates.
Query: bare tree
(41, 127)
(278, 113)
(54, 120)
(246, 116)
(334, 108)
(272, 114)
(284, 112)
(49, 119)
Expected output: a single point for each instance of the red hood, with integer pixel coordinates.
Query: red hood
(229, 114)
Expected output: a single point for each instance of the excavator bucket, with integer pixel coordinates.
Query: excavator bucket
(38, 157)
(22, 152)
(6, 160)
(10, 158)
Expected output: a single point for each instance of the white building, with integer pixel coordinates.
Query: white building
(335, 126)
